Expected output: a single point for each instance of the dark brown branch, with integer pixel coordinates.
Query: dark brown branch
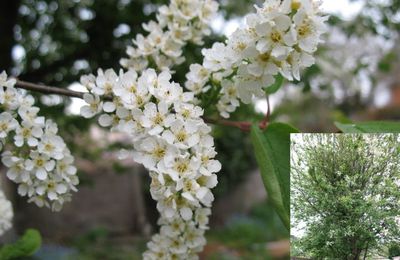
(47, 89)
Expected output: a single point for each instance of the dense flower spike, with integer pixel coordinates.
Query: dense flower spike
(40, 163)
(279, 38)
(180, 22)
(172, 141)
(6, 213)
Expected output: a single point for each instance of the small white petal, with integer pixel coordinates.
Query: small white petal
(186, 213)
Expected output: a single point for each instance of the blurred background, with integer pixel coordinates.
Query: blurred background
(356, 77)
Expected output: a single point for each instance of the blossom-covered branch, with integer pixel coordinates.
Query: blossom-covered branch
(279, 38)
(177, 24)
(242, 125)
(172, 141)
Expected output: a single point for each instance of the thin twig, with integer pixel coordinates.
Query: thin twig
(48, 89)
(242, 125)
(264, 123)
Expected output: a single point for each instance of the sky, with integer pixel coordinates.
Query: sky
(344, 8)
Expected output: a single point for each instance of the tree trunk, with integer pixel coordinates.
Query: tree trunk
(365, 253)
(357, 255)
(355, 252)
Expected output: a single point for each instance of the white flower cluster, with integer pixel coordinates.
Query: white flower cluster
(40, 163)
(346, 67)
(180, 22)
(172, 141)
(279, 38)
(6, 213)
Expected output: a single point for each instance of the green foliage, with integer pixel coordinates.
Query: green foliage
(370, 127)
(394, 250)
(345, 189)
(100, 244)
(93, 236)
(276, 85)
(385, 64)
(244, 237)
(262, 225)
(272, 149)
(249, 234)
(27, 245)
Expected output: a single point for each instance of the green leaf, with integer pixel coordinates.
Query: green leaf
(340, 117)
(272, 150)
(27, 245)
(370, 127)
(275, 86)
(385, 64)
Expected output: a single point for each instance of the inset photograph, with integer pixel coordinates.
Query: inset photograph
(345, 196)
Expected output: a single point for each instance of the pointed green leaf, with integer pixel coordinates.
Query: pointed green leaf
(27, 245)
(370, 127)
(275, 86)
(272, 150)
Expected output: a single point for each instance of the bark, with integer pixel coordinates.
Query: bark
(365, 253)
(356, 251)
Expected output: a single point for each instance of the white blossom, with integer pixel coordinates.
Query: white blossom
(16, 168)
(8, 95)
(172, 141)
(5, 81)
(156, 117)
(29, 132)
(52, 145)
(7, 124)
(177, 24)
(93, 107)
(40, 163)
(6, 210)
(104, 82)
(182, 134)
(279, 38)
(153, 150)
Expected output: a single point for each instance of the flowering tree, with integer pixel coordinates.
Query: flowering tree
(345, 190)
(167, 121)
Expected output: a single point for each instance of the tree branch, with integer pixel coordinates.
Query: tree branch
(242, 125)
(264, 123)
(48, 89)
